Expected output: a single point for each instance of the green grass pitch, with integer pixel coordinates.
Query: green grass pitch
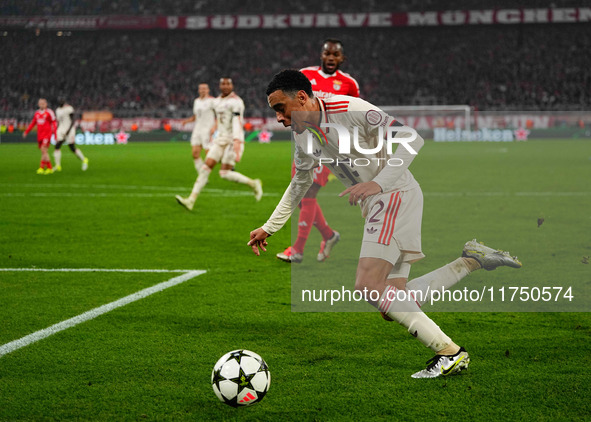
(152, 359)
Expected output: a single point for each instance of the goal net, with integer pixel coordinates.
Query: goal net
(426, 118)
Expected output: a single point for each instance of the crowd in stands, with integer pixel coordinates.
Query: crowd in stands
(542, 66)
(189, 7)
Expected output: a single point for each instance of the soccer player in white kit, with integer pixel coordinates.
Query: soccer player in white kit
(227, 147)
(66, 132)
(391, 202)
(204, 118)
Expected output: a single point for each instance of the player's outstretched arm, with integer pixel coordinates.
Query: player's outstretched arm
(189, 119)
(215, 123)
(258, 239)
(294, 193)
(29, 128)
(238, 149)
(53, 123)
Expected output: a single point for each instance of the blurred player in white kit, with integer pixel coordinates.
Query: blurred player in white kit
(204, 118)
(66, 132)
(227, 147)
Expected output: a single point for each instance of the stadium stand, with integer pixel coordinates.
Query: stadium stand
(535, 66)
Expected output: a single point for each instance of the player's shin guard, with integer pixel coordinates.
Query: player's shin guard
(201, 181)
(234, 176)
(305, 223)
(320, 222)
(442, 278)
(57, 157)
(401, 306)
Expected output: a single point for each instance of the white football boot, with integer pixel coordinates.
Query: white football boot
(489, 258)
(258, 189)
(188, 203)
(444, 365)
(326, 246)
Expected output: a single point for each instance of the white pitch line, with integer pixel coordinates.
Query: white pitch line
(525, 194)
(552, 193)
(225, 192)
(231, 194)
(128, 187)
(122, 194)
(93, 313)
(91, 186)
(79, 195)
(106, 270)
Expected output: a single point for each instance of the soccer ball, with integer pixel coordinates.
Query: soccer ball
(240, 378)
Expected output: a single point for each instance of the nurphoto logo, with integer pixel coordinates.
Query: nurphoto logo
(365, 154)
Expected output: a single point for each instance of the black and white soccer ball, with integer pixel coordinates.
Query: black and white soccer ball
(240, 378)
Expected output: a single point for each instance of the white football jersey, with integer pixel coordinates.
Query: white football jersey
(355, 166)
(229, 112)
(62, 115)
(320, 145)
(204, 115)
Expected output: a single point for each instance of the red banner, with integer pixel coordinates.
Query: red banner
(310, 20)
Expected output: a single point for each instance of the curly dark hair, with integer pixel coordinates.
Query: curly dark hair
(290, 81)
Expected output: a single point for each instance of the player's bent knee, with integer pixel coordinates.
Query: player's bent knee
(72, 147)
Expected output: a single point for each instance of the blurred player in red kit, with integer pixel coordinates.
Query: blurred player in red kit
(327, 80)
(46, 123)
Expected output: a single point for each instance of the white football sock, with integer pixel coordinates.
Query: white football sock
(198, 164)
(401, 306)
(442, 278)
(200, 182)
(234, 176)
(57, 156)
(79, 154)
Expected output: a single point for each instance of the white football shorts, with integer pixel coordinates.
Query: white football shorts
(223, 151)
(392, 230)
(201, 137)
(69, 137)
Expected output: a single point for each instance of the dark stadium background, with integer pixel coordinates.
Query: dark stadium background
(155, 72)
